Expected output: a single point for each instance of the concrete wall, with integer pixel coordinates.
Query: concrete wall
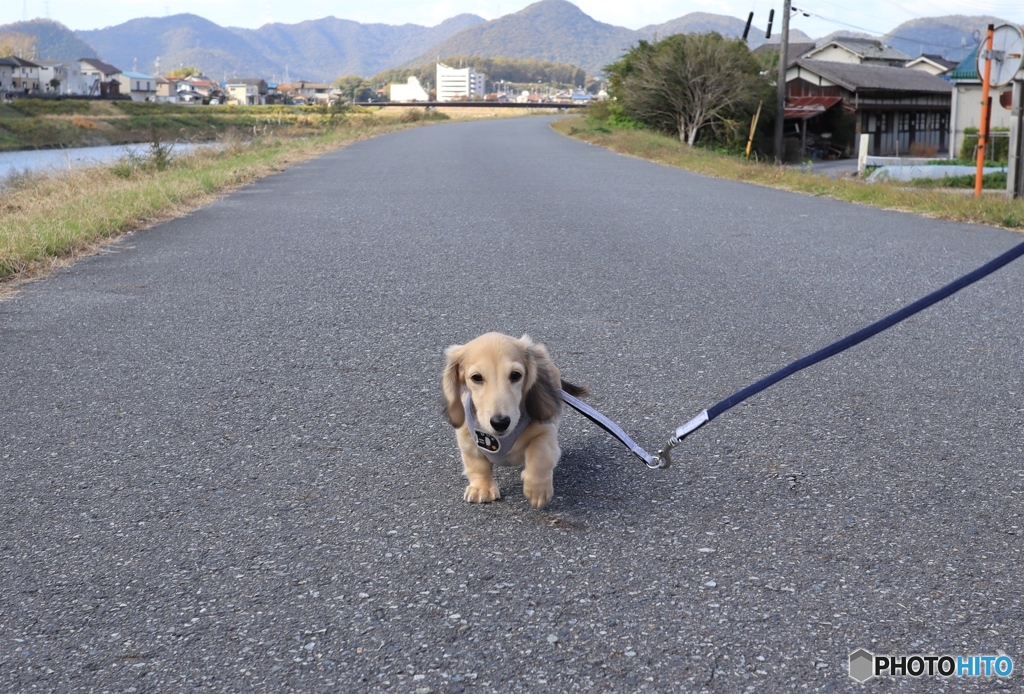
(967, 112)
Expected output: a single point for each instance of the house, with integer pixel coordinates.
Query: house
(246, 91)
(102, 79)
(24, 75)
(899, 108)
(459, 84)
(62, 77)
(860, 51)
(186, 93)
(966, 96)
(312, 92)
(182, 90)
(166, 90)
(931, 63)
(285, 94)
(412, 90)
(6, 77)
(200, 85)
(141, 87)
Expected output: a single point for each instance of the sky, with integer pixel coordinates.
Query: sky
(872, 16)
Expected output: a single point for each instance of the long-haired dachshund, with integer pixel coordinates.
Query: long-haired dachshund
(501, 395)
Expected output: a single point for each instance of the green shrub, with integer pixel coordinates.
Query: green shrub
(998, 147)
(127, 164)
(606, 113)
(600, 110)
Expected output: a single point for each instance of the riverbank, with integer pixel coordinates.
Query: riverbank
(42, 124)
(48, 221)
(993, 209)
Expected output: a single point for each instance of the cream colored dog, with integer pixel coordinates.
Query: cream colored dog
(501, 395)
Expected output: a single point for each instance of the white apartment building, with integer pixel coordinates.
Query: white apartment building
(455, 84)
(412, 90)
(68, 74)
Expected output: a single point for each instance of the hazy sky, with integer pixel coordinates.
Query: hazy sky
(874, 16)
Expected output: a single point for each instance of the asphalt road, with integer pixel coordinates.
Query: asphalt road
(224, 466)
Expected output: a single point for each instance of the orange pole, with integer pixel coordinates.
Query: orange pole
(983, 129)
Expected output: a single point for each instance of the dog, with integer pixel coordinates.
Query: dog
(501, 395)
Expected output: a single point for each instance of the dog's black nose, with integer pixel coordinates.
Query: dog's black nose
(500, 423)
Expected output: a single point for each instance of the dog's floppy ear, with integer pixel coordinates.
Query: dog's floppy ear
(452, 386)
(542, 382)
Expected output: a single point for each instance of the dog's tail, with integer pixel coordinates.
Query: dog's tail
(575, 390)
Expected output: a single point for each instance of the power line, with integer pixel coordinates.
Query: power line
(873, 15)
(913, 39)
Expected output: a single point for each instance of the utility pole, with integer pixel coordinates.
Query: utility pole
(780, 91)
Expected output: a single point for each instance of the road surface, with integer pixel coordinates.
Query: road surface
(224, 465)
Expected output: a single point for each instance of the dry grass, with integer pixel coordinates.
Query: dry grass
(940, 204)
(48, 221)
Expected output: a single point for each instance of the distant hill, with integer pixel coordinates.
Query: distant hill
(842, 33)
(328, 48)
(701, 23)
(730, 27)
(323, 49)
(51, 40)
(178, 40)
(952, 37)
(557, 30)
(552, 30)
(795, 36)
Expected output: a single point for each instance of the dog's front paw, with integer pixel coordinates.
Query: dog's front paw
(538, 493)
(482, 495)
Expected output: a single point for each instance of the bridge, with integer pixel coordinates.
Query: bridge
(546, 105)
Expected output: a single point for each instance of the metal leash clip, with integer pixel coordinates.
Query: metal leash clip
(662, 460)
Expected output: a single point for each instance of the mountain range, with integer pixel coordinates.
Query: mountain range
(328, 48)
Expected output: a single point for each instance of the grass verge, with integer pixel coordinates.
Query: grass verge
(940, 204)
(47, 221)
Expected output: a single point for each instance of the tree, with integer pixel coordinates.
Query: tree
(354, 88)
(688, 82)
(182, 72)
(18, 44)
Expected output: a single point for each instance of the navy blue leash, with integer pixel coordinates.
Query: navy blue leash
(663, 459)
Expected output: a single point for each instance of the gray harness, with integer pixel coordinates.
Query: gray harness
(494, 449)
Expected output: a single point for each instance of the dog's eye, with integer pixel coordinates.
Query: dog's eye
(476, 378)
(515, 376)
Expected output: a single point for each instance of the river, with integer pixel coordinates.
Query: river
(51, 160)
